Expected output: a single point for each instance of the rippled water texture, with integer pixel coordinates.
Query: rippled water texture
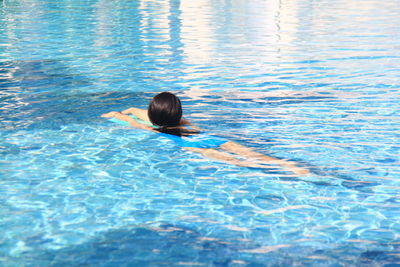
(315, 82)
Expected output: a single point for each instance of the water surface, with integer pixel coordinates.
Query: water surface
(294, 80)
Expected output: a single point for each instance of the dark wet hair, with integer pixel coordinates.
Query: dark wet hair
(165, 111)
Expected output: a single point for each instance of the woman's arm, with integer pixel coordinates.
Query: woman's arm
(124, 117)
(138, 112)
(142, 114)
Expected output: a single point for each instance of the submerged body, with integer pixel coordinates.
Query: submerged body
(191, 138)
(198, 140)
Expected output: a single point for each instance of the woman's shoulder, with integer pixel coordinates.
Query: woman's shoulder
(184, 122)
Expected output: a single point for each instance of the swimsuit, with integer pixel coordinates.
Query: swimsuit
(198, 141)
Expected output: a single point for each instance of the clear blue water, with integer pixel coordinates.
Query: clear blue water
(315, 82)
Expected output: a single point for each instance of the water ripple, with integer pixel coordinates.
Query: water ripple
(292, 80)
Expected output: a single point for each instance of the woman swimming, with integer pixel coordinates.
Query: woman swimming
(164, 115)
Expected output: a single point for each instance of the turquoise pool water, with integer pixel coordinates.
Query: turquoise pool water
(315, 82)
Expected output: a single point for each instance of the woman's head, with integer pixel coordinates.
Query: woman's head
(165, 110)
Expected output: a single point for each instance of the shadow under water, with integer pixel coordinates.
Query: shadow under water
(171, 245)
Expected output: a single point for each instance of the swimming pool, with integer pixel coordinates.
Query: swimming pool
(292, 79)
